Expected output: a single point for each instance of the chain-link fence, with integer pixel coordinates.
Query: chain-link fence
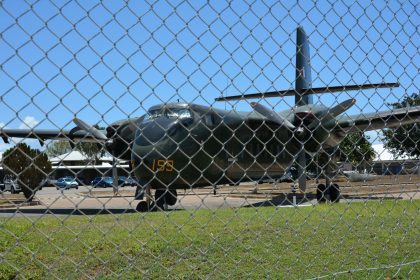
(221, 139)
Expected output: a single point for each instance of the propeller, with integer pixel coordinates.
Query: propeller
(303, 133)
(272, 116)
(332, 113)
(89, 128)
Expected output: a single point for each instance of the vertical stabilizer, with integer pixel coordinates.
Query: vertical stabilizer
(303, 68)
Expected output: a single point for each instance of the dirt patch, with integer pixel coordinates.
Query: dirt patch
(16, 203)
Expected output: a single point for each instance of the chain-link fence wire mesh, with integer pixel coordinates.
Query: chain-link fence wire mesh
(80, 86)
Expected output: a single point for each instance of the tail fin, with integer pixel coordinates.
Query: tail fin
(304, 91)
(303, 68)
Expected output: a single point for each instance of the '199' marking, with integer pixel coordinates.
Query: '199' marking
(166, 165)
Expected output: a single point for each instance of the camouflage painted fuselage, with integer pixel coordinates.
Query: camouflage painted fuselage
(210, 146)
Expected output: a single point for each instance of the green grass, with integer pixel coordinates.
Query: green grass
(267, 242)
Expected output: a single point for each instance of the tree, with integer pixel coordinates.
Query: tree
(404, 140)
(356, 149)
(56, 148)
(29, 166)
(93, 151)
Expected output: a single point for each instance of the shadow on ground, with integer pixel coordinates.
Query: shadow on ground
(278, 201)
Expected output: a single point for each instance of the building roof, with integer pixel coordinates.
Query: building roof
(76, 156)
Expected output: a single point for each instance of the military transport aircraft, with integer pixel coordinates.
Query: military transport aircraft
(178, 146)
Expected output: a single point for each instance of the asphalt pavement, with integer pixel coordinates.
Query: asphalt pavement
(91, 201)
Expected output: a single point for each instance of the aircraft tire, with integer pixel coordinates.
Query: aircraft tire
(334, 191)
(171, 197)
(142, 206)
(160, 198)
(321, 193)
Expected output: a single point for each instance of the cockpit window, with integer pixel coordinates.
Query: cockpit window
(153, 114)
(178, 113)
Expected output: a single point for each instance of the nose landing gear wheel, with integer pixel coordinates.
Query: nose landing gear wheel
(321, 193)
(160, 199)
(331, 193)
(142, 206)
(334, 191)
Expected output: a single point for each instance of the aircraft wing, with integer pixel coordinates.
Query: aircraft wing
(374, 121)
(76, 135)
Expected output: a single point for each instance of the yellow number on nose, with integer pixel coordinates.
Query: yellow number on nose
(163, 165)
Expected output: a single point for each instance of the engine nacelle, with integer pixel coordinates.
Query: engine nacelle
(121, 136)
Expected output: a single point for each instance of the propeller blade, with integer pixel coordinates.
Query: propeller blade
(342, 107)
(95, 132)
(333, 112)
(271, 115)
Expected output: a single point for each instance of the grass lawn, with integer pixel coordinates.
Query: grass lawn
(358, 240)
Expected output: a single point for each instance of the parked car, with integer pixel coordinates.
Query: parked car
(121, 180)
(102, 182)
(48, 182)
(66, 183)
(10, 185)
(127, 181)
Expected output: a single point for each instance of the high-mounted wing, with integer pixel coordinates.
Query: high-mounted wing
(373, 121)
(43, 134)
(81, 133)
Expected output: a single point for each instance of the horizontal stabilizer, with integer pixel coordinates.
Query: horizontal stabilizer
(320, 90)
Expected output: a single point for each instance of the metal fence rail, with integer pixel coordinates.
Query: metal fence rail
(194, 139)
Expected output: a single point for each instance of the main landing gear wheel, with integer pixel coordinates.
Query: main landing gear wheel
(164, 198)
(331, 193)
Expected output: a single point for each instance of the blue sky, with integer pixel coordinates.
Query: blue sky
(109, 60)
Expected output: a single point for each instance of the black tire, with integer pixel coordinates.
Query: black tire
(160, 198)
(334, 191)
(142, 206)
(12, 190)
(321, 193)
(171, 197)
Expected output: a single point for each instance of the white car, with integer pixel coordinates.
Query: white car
(10, 185)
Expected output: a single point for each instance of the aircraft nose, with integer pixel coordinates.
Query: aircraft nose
(154, 131)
